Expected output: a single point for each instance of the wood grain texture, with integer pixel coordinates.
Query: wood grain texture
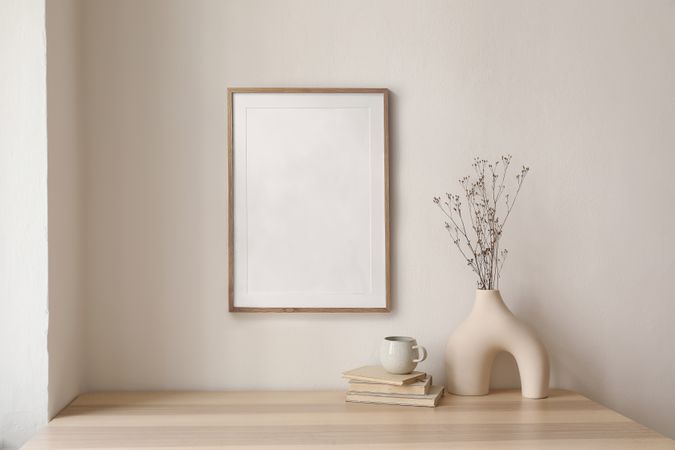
(230, 196)
(319, 420)
(230, 201)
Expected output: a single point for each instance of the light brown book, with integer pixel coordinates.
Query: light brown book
(377, 374)
(429, 400)
(420, 387)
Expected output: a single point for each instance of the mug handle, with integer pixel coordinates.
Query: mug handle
(424, 353)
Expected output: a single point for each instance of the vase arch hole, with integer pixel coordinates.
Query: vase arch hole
(504, 373)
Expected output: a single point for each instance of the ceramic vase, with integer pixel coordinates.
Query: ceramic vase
(490, 329)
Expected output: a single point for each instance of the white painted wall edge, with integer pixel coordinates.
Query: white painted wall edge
(23, 222)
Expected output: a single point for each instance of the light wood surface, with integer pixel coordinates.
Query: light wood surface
(321, 420)
(230, 195)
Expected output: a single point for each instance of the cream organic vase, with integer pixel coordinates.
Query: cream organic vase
(490, 329)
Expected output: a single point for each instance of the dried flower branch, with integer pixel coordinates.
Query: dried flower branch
(477, 237)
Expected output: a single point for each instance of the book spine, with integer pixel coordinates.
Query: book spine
(386, 389)
(390, 401)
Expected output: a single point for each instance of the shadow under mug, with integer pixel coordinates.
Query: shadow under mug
(400, 354)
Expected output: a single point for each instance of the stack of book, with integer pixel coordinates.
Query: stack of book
(372, 384)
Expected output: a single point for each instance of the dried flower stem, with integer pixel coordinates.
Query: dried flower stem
(479, 244)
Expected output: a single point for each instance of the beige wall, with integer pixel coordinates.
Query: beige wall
(66, 348)
(583, 92)
(23, 221)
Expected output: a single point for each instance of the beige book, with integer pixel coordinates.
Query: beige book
(430, 400)
(415, 388)
(377, 374)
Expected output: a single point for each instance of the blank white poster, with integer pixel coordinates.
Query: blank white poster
(309, 200)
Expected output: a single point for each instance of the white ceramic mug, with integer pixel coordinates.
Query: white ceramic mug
(400, 354)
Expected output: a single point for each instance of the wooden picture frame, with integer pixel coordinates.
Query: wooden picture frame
(274, 134)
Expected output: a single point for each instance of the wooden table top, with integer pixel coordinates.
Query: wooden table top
(320, 420)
